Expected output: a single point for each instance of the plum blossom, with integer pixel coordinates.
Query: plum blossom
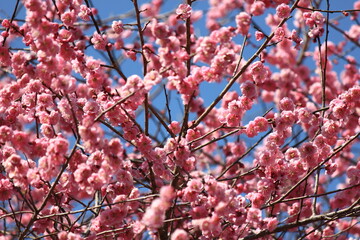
(283, 11)
(243, 20)
(183, 11)
(117, 27)
(99, 41)
(141, 126)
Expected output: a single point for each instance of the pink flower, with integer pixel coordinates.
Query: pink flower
(271, 223)
(279, 34)
(167, 193)
(251, 130)
(283, 11)
(257, 8)
(339, 108)
(155, 214)
(6, 23)
(47, 130)
(117, 27)
(183, 11)
(295, 38)
(131, 55)
(91, 108)
(175, 127)
(258, 71)
(82, 173)
(114, 215)
(160, 30)
(353, 174)
(143, 143)
(330, 128)
(84, 13)
(5, 134)
(68, 18)
(266, 158)
(4, 56)
(248, 89)
(151, 79)
(261, 123)
(318, 18)
(99, 41)
(6, 189)
(69, 236)
(257, 199)
(243, 21)
(259, 35)
(286, 104)
(179, 234)
(292, 154)
(65, 35)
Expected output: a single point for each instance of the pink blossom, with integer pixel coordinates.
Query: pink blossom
(295, 38)
(283, 11)
(113, 215)
(175, 127)
(68, 18)
(286, 104)
(117, 27)
(131, 55)
(257, 199)
(5, 133)
(271, 223)
(69, 236)
(167, 193)
(152, 78)
(282, 1)
(183, 11)
(292, 153)
(166, 145)
(4, 56)
(258, 71)
(6, 23)
(82, 173)
(279, 34)
(84, 13)
(160, 30)
(266, 158)
(257, 8)
(155, 215)
(318, 18)
(6, 189)
(243, 20)
(259, 35)
(179, 234)
(99, 41)
(248, 88)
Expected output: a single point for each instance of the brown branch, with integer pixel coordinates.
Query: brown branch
(145, 62)
(215, 140)
(332, 216)
(242, 156)
(329, 11)
(156, 114)
(113, 106)
(11, 20)
(111, 57)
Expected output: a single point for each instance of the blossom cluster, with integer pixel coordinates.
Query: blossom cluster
(237, 131)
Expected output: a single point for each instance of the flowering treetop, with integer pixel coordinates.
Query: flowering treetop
(89, 151)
